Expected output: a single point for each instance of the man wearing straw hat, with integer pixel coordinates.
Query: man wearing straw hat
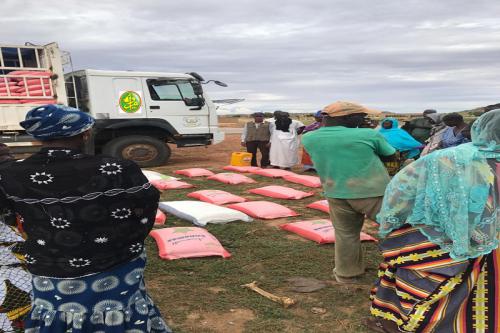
(348, 161)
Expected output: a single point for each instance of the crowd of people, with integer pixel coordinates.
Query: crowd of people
(85, 218)
(278, 139)
(438, 217)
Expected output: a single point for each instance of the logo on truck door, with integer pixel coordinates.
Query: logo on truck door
(130, 101)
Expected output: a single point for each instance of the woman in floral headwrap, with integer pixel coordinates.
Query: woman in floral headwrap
(440, 221)
(86, 218)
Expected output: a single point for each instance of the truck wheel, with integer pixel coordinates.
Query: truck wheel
(143, 150)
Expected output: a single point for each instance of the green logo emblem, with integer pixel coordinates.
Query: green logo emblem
(130, 102)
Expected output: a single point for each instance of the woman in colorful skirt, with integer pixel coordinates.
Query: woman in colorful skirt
(15, 281)
(440, 220)
(86, 218)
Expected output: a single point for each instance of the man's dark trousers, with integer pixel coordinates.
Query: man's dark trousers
(252, 147)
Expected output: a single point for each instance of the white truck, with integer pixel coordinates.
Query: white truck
(137, 113)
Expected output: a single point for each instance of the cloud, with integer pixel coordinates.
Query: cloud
(401, 56)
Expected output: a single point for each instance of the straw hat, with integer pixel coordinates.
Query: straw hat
(341, 108)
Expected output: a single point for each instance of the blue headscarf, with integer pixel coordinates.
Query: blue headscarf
(400, 139)
(54, 121)
(445, 194)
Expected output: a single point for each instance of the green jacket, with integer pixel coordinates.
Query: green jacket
(419, 128)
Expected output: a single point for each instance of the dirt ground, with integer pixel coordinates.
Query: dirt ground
(210, 156)
(214, 156)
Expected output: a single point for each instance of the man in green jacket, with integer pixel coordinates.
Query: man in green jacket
(348, 160)
(420, 128)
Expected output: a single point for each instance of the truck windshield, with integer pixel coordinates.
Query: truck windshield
(169, 90)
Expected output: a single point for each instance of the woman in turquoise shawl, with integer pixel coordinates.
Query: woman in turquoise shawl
(440, 221)
(399, 138)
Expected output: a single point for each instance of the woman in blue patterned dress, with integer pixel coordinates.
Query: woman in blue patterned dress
(86, 218)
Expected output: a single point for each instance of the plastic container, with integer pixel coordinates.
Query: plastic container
(241, 158)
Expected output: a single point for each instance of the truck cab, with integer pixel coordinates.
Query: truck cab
(137, 113)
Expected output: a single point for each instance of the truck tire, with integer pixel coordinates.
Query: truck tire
(146, 151)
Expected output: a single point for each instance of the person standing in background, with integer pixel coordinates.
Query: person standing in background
(348, 160)
(285, 141)
(256, 135)
(306, 159)
(400, 139)
(455, 133)
(438, 128)
(420, 128)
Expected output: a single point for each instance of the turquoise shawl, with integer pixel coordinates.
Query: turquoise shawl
(400, 139)
(445, 194)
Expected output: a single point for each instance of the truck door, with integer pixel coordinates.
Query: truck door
(175, 101)
(129, 98)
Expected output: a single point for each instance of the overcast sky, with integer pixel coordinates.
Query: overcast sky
(394, 55)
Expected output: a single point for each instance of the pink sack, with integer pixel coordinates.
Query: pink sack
(34, 81)
(31, 74)
(10, 84)
(35, 93)
(194, 172)
(38, 101)
(187, 242)
(34, 87)
(170, 184)
(240, 168)
(273, 173)
(14, 89)
(281, 192)
(216, 197)
(160, 217)
(265, 210)
(320, 231)
(321, 205)
(232, 178)
(9, 101)
(310, 181)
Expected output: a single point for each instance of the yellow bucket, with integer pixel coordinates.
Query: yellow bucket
(241, 159)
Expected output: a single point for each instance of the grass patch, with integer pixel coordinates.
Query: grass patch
(205, 295)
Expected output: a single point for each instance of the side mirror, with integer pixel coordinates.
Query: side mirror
(197, 101)
(219, 83)
(197, 89)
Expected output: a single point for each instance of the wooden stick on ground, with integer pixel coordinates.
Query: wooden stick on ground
(283, 300)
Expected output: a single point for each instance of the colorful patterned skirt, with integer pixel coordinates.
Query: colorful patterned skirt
(421, 289)
(15, 282)
(110, 302)
(306, 160)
